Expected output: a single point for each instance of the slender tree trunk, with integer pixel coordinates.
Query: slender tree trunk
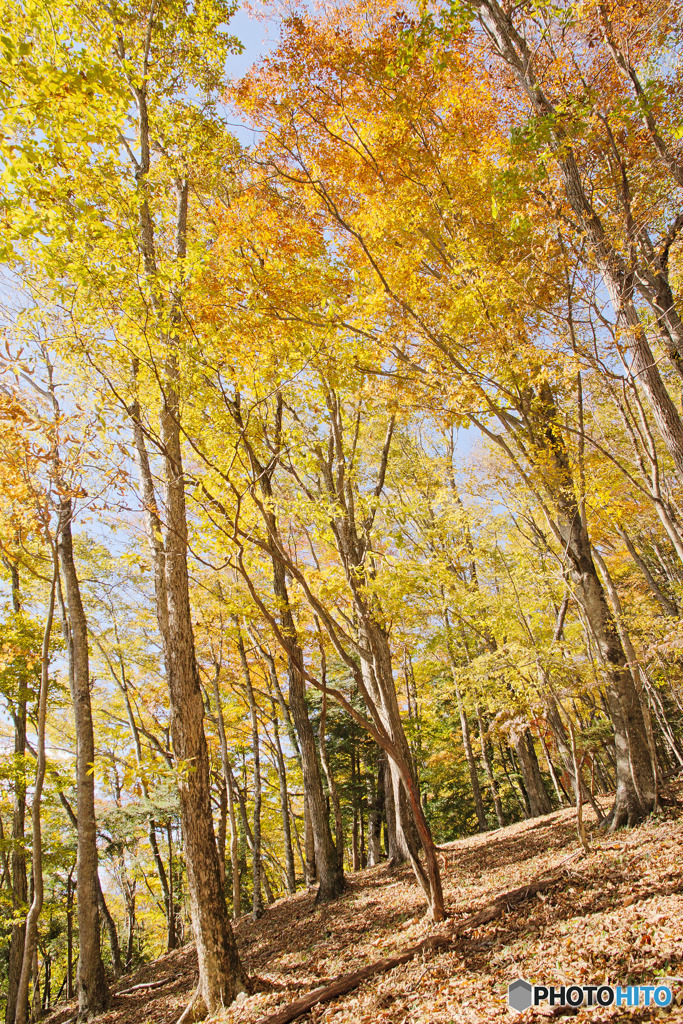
(246, 828)
(70, 934)
(112, 934)
(518, 789)
(290, 872)
(221, 837)
(495, 795)
(227, 778)
(234, 856)
(257, 901)
(465, 729)
(31, 933)
(557, 785)
(539, 802)
(374, 816)
(91, 985)
(309, 845)
(19, 878)
(331, 784)
(666, 603)
(130, 942)
(330, 874)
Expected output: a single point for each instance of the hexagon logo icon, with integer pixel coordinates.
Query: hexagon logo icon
(520, 995)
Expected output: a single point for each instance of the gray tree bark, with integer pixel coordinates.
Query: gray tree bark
(91, 985)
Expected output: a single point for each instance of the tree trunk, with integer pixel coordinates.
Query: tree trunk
(464, 728)
(539, 803)
(309, 846)
(19, 878)
(328, 870)
(331, 784)
(257, 867)
(91, 985)
(227, 780)
(374, 815)
(290, 872)
(495, 795)
(31, 931)
(221, 976)
(666, 603)
(112, 934)
(70, 935)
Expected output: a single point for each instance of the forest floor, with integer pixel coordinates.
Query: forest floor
(614, 915)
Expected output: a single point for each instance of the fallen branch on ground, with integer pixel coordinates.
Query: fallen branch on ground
(143, 984)
(347, 982)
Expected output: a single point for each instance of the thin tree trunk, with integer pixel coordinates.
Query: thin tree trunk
(112, 934)
(666, 603)
(19, 878)
(91, 984)
(374, 816)
(70, 934)
(258, 870)
(331, 784)
(227, 777)
(464, 727)
(31, 933)
(495, 795)
(539, 802)
(329, 873)
(234, 856)
(290, 872)
(309, 845)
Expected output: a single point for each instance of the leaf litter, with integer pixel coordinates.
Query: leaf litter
(615, 915)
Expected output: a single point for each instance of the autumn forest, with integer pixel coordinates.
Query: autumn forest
(341, 512)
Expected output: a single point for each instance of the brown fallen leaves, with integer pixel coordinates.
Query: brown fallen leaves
(615, 916)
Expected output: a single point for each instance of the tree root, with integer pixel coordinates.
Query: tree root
(195, 1010)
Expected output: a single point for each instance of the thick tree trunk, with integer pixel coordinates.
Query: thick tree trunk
(91, 985)
(636, 791)
(221, 976)
(635, 796)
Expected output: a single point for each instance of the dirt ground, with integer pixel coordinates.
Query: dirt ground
(615, 916)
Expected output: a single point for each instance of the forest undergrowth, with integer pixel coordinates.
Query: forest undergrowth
(613, 915)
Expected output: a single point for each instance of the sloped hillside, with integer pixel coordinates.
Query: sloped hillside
(614, 915)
